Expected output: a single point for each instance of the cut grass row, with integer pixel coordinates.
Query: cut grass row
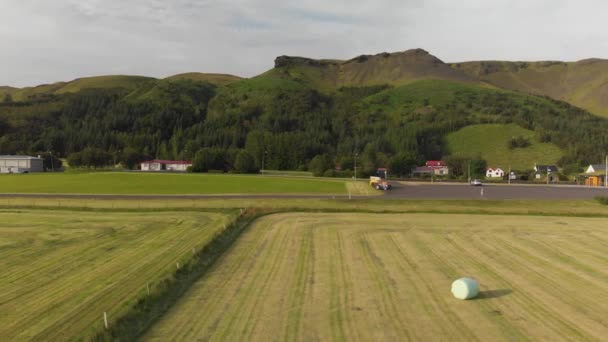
(376, 277)
(161, 183)
(586, 208)
(64, 269)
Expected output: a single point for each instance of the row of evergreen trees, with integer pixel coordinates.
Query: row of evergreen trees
(235, 128)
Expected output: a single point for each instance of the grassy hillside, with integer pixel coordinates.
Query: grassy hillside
(118, 81)
(217, 79)
(583, 83)
(251, 94)
(385, 68)
(491, 142)
(98, 82)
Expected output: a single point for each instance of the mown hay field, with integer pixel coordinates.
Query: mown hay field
(61, 270)
(387, 277)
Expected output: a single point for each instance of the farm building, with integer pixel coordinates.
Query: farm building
(437, 167)
(495, 173)
(545, 170)
(20, 164)
(165, 165)
(433, 167)
(595, 175)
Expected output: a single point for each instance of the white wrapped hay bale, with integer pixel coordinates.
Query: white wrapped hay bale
(465, 288)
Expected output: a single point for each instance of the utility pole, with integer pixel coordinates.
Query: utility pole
(469, 171)
(509, 176)
(52, 165)
(263, 157)
(356, 154)
(606, 175)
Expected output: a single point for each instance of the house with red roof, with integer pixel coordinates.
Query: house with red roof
(165, 165)
(433, 167)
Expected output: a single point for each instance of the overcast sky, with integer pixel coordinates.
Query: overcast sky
(44, 41)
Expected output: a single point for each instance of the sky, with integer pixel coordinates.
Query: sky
(46, 41)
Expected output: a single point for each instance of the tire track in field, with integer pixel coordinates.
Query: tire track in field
(252, 320)
(83, 311)
(552, 277)
(569, 264)
(165, 259)
(58, 292)
(385, 286)
(421, 288)
(585, 249)
(526, 293)
(296, 298)
(209, 320)
(242, 298)
(336, 303)
(191, 311)
(448, 272)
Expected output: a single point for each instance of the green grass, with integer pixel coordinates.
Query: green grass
(582, 84)
(149, 183)
(217, 79)
(491, 142)
(113, 81)
(63, 269)
(423, 95)
(110, 81)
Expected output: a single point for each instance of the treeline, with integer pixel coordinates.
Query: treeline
(286, 128)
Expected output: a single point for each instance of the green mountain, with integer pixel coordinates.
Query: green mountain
(583, 83)
(130, 83)
(217, 79)
(391, 110)
(367, 70)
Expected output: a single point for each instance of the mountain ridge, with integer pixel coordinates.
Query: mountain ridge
(582, 83)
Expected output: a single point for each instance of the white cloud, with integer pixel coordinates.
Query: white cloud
(45, 41)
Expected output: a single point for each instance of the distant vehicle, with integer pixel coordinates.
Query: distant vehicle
(380, 182)
(476, 182)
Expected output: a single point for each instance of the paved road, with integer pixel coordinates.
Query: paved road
(465, 191)
(400, 191)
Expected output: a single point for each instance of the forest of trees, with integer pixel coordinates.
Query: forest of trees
(289, 129)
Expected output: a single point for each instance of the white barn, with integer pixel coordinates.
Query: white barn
(20, 164)
(495, 173)
(165, 165)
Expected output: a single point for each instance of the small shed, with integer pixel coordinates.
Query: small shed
(165, 165)
(21, 164)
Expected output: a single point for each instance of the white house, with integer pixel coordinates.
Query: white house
(20, 164)
(165, 165)
(495, 173)
(596, 168)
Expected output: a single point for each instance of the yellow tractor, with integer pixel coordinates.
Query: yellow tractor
(380, 181)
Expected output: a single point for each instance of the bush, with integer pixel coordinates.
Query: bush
(245, 163)
(320, 164)
(90, 157)
(329, 173)
(519, 142)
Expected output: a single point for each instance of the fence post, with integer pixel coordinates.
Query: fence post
(105, 319)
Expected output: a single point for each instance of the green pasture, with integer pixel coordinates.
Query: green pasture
(63, 269)
(491, 142)
(156, 183)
